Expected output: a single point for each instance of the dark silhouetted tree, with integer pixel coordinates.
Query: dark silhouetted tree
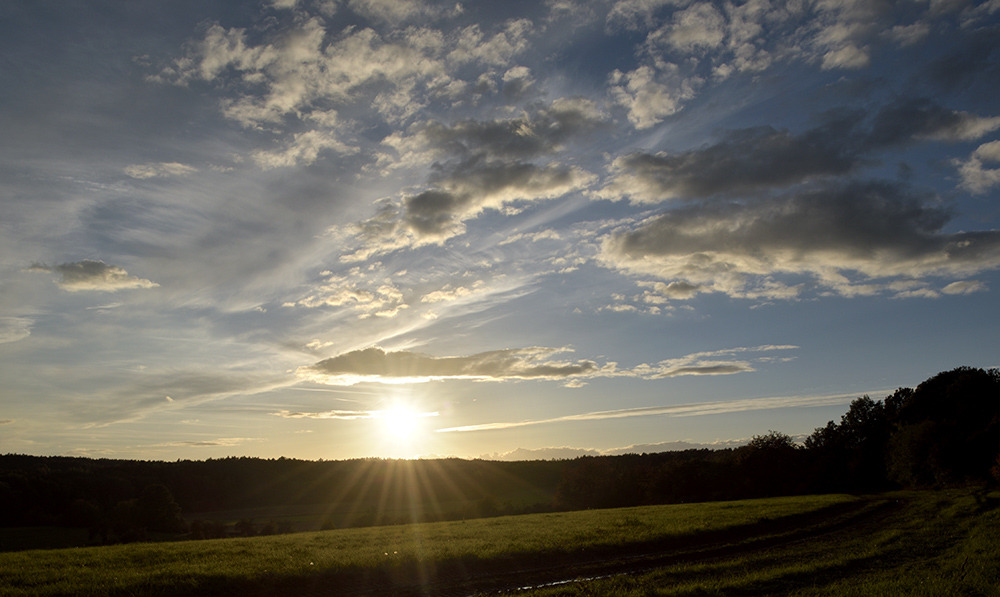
(851, 455)
(158, 511)
(947, 429)
(770, 464)
(244, 528)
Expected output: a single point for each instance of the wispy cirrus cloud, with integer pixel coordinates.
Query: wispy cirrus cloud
(224, 442)
(349, 415)
(718, 362)
(13, 329)
(676, 410)
(159, 170)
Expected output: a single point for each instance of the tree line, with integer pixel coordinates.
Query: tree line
(946, 431)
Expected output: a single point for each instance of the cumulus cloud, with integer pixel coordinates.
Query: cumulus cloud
(303, 149)
(451, 293)
(478, 166)
(472, 45)
(744, 160)
(539, 131)
(651, 94)
(752, 159)
(868, 231)
(688, 42)
(377, 365)
(699, 26)
(93, 275)
(438, 214)
(358, 290)
(13, 329)
(305, 70)
(976, 178)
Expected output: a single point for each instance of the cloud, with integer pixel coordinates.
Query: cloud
(719, 362)
(377, 365)
(676, 410)
(93, 275)
(304, 149)
(392, 12)
(478, 166)
(562, 453)
(753, 159)
(472, 45)
(361, 291)
(964, 287)
(348, 415)
(13, 329)
(438, 214)
(745, 160)
(661, 292)
(567, 453)
(159, 170)
(651, 94)
(676, 446)
(971, 59)
(300, 73)
(151, 391)
(208, 443)
(699, 26)
(688, 43)
(976, 178)
(539, 131)
(449, 293)
(633, 14)
(829, 233)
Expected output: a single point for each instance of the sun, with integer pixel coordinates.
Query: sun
(402, 428)
(400, 424)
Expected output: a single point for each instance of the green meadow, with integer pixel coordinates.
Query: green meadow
(926, 543)
(829, 544)
(399, 551)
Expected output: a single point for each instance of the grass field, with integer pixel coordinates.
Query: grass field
(809, 544)
(933, 544)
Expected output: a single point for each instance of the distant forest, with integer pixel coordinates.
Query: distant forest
(944, 432)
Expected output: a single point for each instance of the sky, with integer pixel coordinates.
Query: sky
(332, 229)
